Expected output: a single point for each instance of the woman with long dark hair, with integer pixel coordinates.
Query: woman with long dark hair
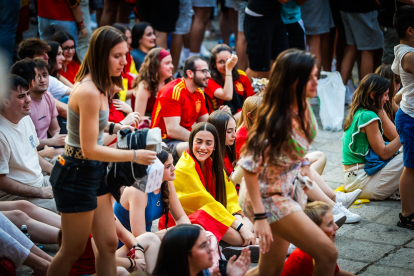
(78, 178)
(130, 73)
(137, 210)
(187, 251)
(56, 58)
(227, 85)
(205, 192)
(72, 62)
(272, 157)
(143, 40)
(156, 71)
(363, 130)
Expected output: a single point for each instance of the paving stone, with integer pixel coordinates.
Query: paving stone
(410, 245)
(402, 258)
(389, 218)
(376, 270)
(335, 175)
(350, 266)
(381, 233)
(361, 251)
(369, 212)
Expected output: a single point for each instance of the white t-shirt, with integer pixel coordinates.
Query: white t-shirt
(57, 88)
(18, 156)
(407, 79)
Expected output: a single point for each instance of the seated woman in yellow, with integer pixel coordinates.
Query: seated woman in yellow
(207, 196)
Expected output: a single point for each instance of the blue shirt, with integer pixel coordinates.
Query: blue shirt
(154, 210)
(290, 12)
(138, 56)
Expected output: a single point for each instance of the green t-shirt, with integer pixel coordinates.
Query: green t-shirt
(355, 145)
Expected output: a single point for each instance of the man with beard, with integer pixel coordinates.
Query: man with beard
(180, 104)
(21, 166)
(43, 110)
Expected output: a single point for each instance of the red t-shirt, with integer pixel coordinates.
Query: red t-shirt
(242, 85)
(86, 263)
(57, 9)
(300, 264)
(174, 100)
(71, 71)
(241, 137)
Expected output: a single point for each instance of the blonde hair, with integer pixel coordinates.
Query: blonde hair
(316, 211)
(250, 105)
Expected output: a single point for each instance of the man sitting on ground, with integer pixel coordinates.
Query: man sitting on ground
(180, 104)
(20, 165)
(43, 110)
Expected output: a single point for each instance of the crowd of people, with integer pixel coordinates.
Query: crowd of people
(134, 164)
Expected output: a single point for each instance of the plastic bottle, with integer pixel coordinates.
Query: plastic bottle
(24, 230)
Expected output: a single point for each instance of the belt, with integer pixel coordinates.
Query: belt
(74, 152)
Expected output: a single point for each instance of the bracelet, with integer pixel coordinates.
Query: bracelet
(259, 218)
(260, 214)
(239, 226)
(135, 159)
(138, 245)
(111, 128)
(80, 25)
(237, 214)
(135, 263)
(132, 264)
(306, 163)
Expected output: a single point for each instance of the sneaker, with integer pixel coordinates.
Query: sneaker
(230, 251)
(348, 96)
(339, 219)
(347, 199)
(350, 217)
(290, 249)
(204, 52)
(395, 195)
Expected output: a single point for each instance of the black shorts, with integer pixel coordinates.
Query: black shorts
(296, 35)
(77, 184)
(266, 38)
(162, 14)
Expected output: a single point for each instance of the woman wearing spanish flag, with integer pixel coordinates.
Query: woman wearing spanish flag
(205, 193)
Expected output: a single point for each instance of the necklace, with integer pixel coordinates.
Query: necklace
(158, 199)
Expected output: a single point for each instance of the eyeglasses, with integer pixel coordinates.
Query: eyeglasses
(204, 71)
(68, 49)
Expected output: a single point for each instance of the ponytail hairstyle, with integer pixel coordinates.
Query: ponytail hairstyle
(165, 192)
(216, 156)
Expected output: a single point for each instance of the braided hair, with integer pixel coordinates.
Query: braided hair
(165, 192)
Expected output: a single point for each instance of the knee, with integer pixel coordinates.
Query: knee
(107, 246)
(21, 216)
(148, 240)
(24, 205)
(320, 156)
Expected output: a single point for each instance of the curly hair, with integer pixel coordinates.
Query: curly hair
(165, 192)
(149, 72)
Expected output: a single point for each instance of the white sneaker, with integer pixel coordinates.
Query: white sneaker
(340, 219)
(347, 199)
(348, 96)
(204, 52)
(350, 217)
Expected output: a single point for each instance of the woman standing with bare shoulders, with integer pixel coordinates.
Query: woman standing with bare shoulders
(78, 178)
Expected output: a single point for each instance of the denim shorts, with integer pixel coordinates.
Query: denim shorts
(405, 128)
(77, 183)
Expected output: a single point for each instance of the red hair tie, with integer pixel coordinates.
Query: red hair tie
(163, 53)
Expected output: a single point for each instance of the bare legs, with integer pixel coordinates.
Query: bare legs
(175, 50)
(407, 191)
(76, 228)
(297, 228)
(317, 160)
(201, 15)
(241, 46)
(115, 12)
(348, 62)
(162, 39)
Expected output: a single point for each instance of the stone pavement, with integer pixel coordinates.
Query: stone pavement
(374, 246)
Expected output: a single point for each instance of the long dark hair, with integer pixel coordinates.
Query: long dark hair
(215, 74)
(384, 70)
(97, 58)
(137, 32)
(121, 27)
(175, 249)
(149, 72)
(287, 85)
(217, 160)
(165, 192)
(54, 49)
(220, 119)
(362, 98)
(61, 37)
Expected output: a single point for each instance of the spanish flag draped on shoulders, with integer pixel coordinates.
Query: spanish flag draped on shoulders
(195, 191)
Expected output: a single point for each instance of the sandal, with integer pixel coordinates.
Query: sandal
(406, 221)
